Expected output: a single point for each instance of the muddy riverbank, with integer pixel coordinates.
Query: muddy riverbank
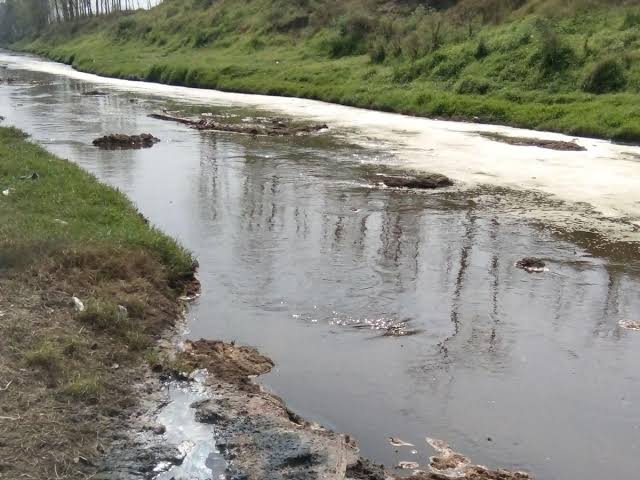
(260, 438)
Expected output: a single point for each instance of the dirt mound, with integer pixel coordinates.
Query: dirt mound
(121, 141)
(428, 181)
(226, 361)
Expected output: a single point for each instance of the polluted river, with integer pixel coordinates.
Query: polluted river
(388, 312)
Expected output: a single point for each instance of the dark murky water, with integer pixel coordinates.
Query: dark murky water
(303, 260)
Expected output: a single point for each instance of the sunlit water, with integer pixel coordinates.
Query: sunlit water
(302, 258)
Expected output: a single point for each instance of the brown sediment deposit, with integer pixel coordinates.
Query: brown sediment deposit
(257, 126)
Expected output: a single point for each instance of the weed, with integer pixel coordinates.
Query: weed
(46, 357)
(606, 76)
(86, 387)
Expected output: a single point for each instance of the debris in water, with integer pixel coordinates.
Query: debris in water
(189, 298)
(120, 141)
(60, 222)
(6, 192)
(79, 306)
(396, 442)
(427, 181)
(95, 93)
(630, 324)
(407, 465)
(449, 462)
(258, 126)
(534, 142)
(455, 465)
(532, 265)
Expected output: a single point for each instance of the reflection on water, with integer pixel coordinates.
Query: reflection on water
(387, 312)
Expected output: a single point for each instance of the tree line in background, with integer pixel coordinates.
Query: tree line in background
(19, 18)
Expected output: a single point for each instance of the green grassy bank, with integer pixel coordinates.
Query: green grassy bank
(570, 67)
(67, 376)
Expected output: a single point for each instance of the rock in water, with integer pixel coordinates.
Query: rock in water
(120, 141)
(396, 442)
(532, 265)
(630, 325)
(427, 181)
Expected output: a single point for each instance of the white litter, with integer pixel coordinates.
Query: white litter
(78, 304)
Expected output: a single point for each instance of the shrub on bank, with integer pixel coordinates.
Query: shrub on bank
(606, 76)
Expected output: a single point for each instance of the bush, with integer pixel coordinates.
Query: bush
(349, 38)
(450, 68)
(377, 52)
(472, 86)
(553, 54)
(606, 76)
(482, 50)
(631, 20)
(408, 72)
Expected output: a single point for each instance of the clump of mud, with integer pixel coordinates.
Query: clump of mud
(95, 93)
(274, 127)
(119, 141)
(534, 142)
(227, 362)
(427, 181)
(532, 265)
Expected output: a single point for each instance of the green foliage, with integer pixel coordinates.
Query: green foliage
(93, 212)
(85, 387)
(631, 20)
(482, 50)
(349, 37)
(377, 52)
(523, 62)
(606, 76)
(103, 315)
(553, 54)
(475, 86)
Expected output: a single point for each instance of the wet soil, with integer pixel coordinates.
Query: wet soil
(534, 142)
(262, 439)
